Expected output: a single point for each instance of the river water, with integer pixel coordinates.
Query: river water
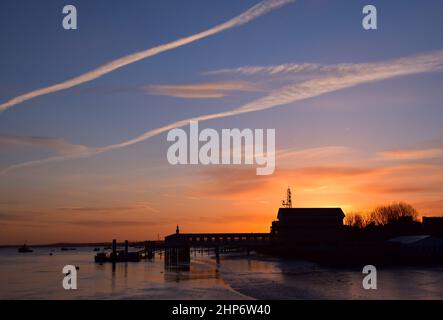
(38, 275)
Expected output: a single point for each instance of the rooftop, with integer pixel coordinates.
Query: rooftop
(311, 212)
(409, 239)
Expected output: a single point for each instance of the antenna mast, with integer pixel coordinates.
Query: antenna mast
(288, 202)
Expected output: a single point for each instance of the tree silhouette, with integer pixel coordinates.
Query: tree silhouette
(356, 220)
(383, 215)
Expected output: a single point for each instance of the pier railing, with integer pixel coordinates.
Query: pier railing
(217, 239)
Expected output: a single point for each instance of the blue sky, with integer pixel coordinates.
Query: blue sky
(397, 113)
(39, 52)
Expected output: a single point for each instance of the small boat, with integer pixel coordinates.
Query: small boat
(121, 256)
(101, 257)
(67, 249)
(96, 249)
(24, 249)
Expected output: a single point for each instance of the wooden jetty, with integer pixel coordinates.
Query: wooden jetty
(177, 247)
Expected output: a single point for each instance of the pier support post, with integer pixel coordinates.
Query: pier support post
(166, 259)
(217, 254)
(114, 250)
(176, 256)
(126, 246)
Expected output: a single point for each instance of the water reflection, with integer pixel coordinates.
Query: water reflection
(38, 275)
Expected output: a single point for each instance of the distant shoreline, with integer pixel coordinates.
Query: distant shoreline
(67, 244)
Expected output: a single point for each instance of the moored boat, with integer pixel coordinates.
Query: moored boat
(24, 249)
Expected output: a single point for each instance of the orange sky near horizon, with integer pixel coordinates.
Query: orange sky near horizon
(220, 198)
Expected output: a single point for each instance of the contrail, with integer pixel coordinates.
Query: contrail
(251, 14)
(362, 73)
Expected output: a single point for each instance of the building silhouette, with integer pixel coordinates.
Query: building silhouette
(433, 225)
(307, 224)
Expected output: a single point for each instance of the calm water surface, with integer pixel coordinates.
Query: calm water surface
(38, 275)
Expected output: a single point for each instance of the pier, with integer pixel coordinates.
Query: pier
(177, 247)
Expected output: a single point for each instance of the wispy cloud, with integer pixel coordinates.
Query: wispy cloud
(247, 16)
(289, 68)
(304, 69)
(339, 171)
(57, 144)
(311, 153)
(396, 189)
(33, 163)
(362, 73)
(411, 154)
(219, 182)
(298, 91)
(216, 182)
(114, 223)
(89, 209)
(202, 90)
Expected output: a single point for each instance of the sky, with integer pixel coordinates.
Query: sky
(357, 113)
